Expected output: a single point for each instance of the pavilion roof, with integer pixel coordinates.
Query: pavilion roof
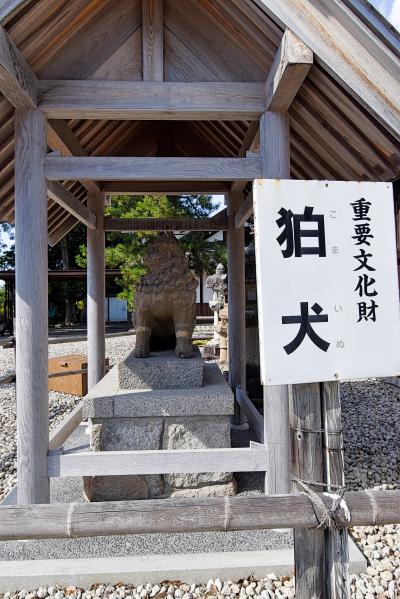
(334, 133)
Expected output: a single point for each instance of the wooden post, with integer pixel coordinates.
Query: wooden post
(337, 540)
(309, 545)
(95, 293)
(275, 159)
(31, 307)
(236, 304)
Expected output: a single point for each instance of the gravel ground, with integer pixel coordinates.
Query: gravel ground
(372, 458)
(59, 403)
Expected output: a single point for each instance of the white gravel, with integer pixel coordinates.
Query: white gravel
(371, 413)
(59, 403)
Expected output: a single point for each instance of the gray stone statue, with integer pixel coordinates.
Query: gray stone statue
(165, 298)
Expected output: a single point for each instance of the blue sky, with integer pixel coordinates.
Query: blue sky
(390, 9)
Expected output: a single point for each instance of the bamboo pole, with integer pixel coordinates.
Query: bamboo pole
(191, 515)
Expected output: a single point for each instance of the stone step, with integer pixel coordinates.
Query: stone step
(107, 400)
(161, 370)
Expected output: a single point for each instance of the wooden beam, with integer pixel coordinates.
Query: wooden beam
(291, 64)
(164, 188)
(254, 417)
(166, 461)
(165, 224)
(31, 291)
(244, 212)
(17, 81)
(61, 138)
(58, 520)
(348, 49)
(138, 100)
(152, 169)
(60, 194)
(153, 39)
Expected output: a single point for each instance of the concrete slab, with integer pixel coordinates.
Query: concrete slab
(161, 370)
(138, 570)
(213, 398)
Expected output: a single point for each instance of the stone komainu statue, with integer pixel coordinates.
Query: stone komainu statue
(165, 299)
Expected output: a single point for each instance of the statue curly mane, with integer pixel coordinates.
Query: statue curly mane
(167, 268)
(165, 299)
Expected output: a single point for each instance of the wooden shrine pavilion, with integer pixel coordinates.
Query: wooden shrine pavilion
(176, 96)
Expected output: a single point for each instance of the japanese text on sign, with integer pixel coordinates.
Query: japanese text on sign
(325, 252)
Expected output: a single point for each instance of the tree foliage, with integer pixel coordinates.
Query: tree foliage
(125, 251)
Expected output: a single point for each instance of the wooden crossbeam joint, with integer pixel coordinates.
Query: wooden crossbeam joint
(291, 65)
(60, 194)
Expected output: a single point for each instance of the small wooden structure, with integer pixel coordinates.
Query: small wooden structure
(172, 96)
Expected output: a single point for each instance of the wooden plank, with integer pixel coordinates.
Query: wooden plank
(57, 438)
(31, 293)
(307, 464)
(236, 303)
(152, 169)
(254, 417)
(164, 188)
(96, 294)
(77, 520)
(291, 65)
(60, 194)
(337, 541)
(165, 224)
(17, 81)
(139, 100)
(153, 39)
(244, 212)
(167, 461)
(338, 39)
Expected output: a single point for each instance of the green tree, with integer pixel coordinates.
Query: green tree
(125, 251)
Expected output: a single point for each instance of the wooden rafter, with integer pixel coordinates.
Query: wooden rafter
(17, 81)
(60, 194)
(339, 38)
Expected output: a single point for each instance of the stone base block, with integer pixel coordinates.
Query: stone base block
(115, 488)
(161, 370)
(197, 433)
(216, 490)
(213, 398)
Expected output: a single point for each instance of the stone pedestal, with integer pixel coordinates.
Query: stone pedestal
(128, 410)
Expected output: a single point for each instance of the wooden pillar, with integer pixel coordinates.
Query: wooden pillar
(96, 293)
(308, 465)
(337, 540)
(31, 307)
(236, 303)
(275, 156)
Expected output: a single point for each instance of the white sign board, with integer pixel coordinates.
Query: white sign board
(327, 282)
